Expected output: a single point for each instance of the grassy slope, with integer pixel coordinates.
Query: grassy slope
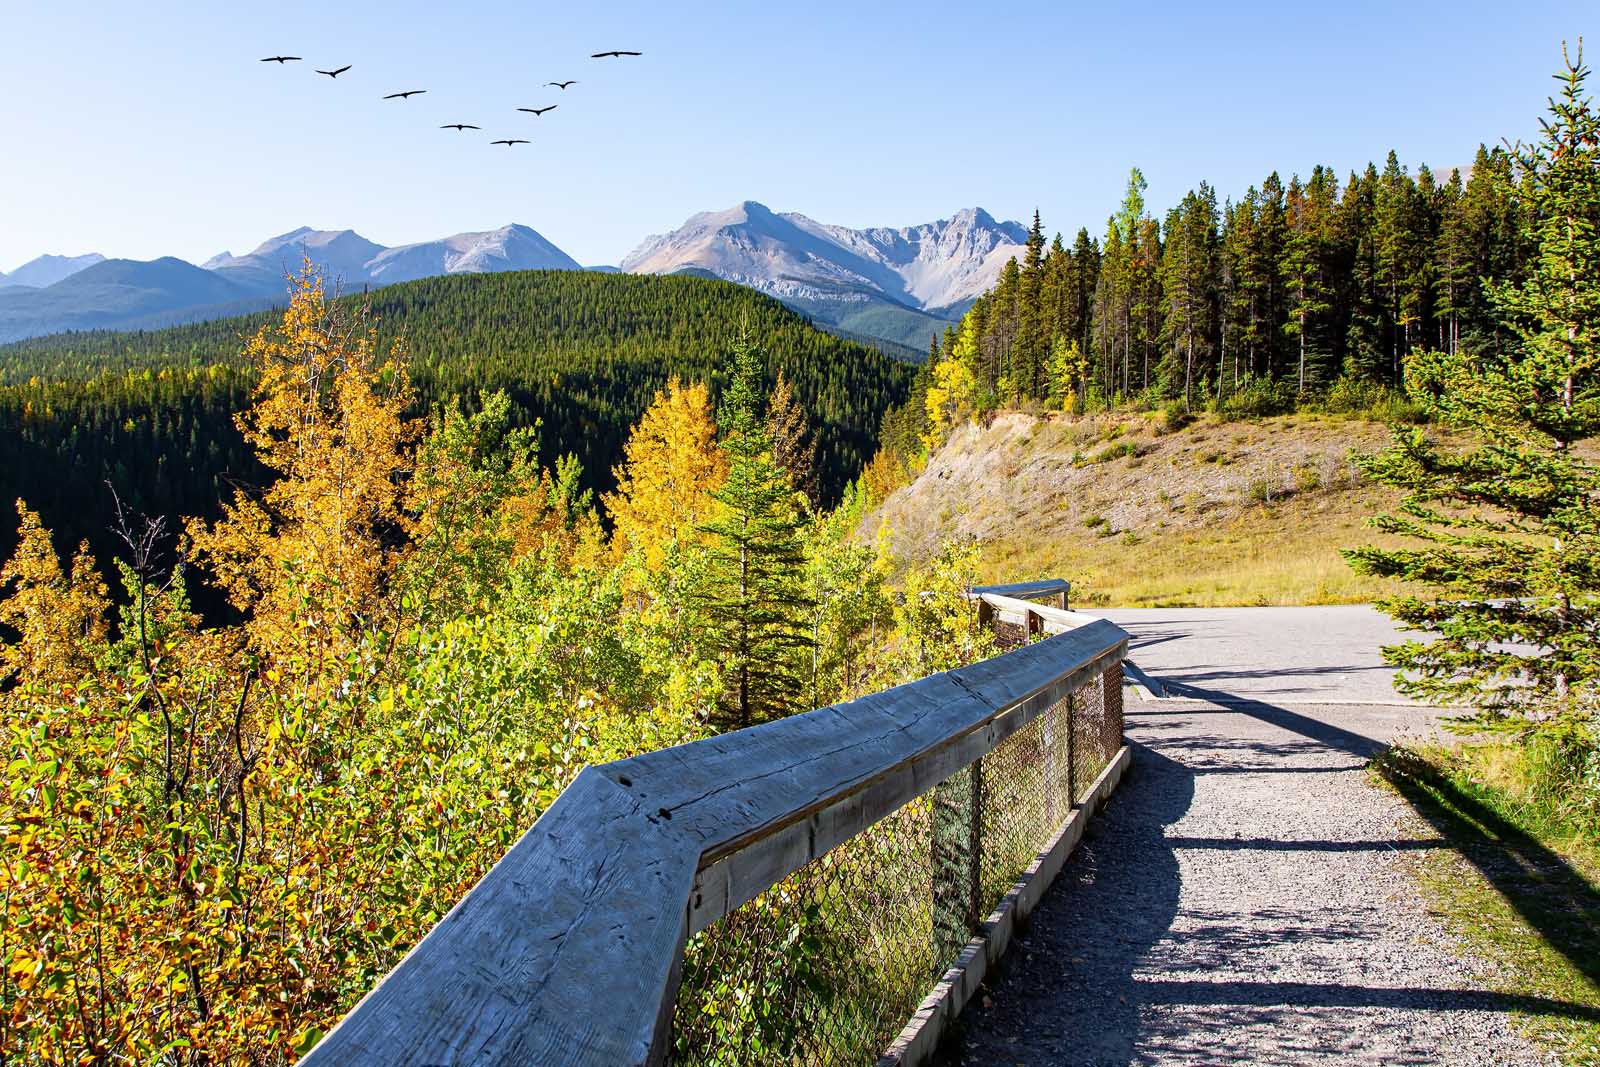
(1213, 514)
(1519, 887)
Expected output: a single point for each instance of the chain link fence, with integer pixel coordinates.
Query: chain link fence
(827, 965)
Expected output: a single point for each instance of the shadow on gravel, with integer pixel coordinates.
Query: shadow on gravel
(1551, 897)
(1268, 844)
(1324, 733)
(1067, 993)
(1332, 995)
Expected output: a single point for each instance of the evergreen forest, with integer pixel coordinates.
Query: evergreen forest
(1314, 290)
(150, 414)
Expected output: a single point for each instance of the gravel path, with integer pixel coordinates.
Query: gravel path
(1309, 655)
(1243, 900)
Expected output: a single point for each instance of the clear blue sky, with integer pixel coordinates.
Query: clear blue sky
(147, 129)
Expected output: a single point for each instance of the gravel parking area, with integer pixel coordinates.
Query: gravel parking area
(1243, 899)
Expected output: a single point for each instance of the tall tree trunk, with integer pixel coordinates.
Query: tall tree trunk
(1302, 350)
(1188, 372)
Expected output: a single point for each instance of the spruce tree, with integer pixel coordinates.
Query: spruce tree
(1110, 312)
(1269, 309)
(1454, 277)
(1365, 355)
(754, 594)
(1507, 532)
(1079, 325)
(1304, 267)
(1188, 281)
(1031, 339)
(1495, 229)
(1234, 293)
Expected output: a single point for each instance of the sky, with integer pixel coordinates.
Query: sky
(150, 129)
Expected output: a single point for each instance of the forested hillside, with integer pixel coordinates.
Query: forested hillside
(1295, 288)
(152, 412)
(222, 832)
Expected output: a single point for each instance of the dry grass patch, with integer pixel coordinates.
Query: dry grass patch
(1208, 514)
(1284, 554)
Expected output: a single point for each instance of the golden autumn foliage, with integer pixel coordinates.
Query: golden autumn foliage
(58, 613)
(673, 466)
(887, 472)
(217, 838)
(793, 446)
(305, 558)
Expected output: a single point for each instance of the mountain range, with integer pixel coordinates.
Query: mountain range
(893, 287)
(47, 270)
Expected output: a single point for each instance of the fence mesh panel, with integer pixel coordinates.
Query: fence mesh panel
(827, 966)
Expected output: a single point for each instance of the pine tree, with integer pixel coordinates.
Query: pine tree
(1493, 226)
(1031, 340)
(1401, 243)
(1000, 319)
(1234, 292)
(755, 595)
(1145, 288)
(1110, 314)
(1189, 300)
(1269, 305)
(1079, 324)
(1125, 274)
(1305, 269)
(1365, 355)
(1056, 292)
(1453, 260)
(1510, 528)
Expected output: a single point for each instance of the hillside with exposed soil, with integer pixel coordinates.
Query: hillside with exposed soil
(1213, 513)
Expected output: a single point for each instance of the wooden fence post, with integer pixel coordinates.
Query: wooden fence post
(975, 849)
(951, 832)
(957, 848)
(1072, 757)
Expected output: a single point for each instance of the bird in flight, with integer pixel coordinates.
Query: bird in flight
(508, 141)
(281, 59)
(603, 55)
(402, 96)
(538, 110)
(561, 85)
(335, 73)
(460, 126)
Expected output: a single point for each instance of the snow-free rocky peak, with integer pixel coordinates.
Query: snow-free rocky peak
(929, 266)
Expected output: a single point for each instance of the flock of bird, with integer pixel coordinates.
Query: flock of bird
(536, 112)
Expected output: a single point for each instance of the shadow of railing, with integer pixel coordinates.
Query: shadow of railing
(1537, 882)
(1540, 885)
(1071, 999)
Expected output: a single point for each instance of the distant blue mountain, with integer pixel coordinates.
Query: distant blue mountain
(90, 292)
(47, 270)
(116, 292)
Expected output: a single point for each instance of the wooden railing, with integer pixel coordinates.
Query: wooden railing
(570, 950)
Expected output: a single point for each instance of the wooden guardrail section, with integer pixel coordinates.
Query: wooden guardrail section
(569, 950)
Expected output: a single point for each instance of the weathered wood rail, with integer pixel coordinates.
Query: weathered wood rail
(569, 950)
